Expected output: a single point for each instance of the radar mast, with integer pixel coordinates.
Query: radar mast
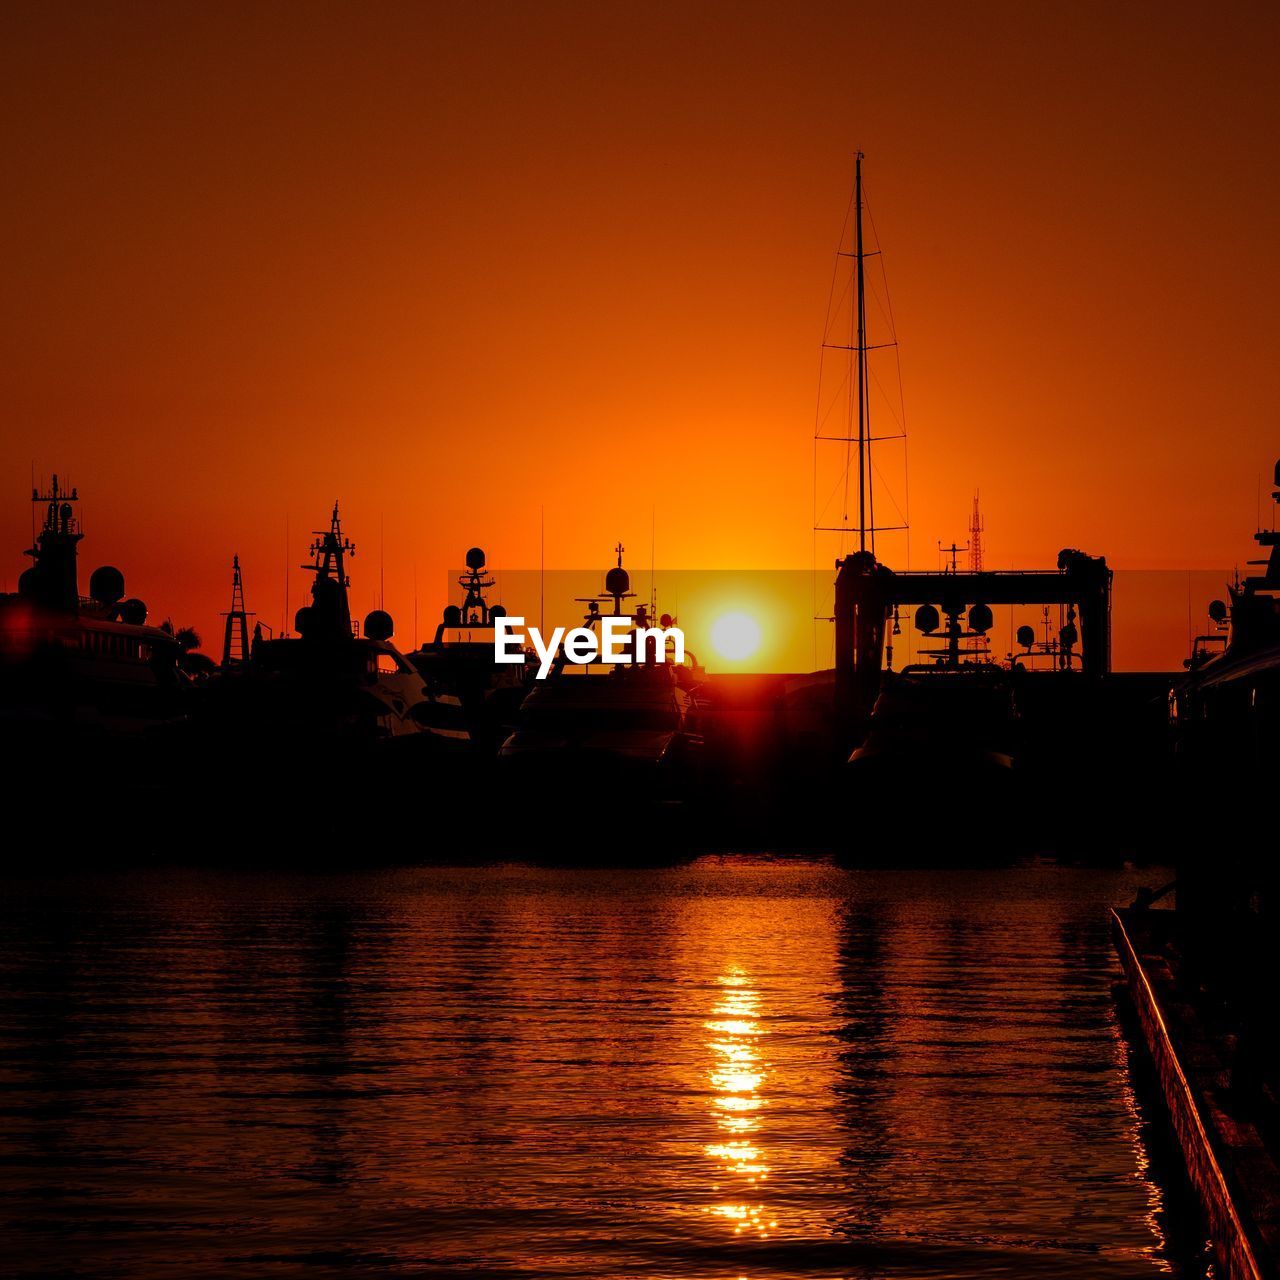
(52, 579)
(330, 610)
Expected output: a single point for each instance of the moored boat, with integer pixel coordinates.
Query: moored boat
(333, 686)
(472, 697)
(78, 668)
(634, 726)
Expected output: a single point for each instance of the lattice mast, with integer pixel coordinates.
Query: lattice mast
(235, 636)
(976, 526)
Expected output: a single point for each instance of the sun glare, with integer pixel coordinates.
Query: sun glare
(735, 636)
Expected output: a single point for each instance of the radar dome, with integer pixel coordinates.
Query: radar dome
(378, 625)
(106, 585)
(1217, 611)
(617, 582)
(927, 618)
(452, 616)
(302, 620)
(498, 611)
(475, 559)
(980, 618)
(1026, 636)
(134, 612)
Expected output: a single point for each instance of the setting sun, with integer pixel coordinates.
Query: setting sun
(735, 636)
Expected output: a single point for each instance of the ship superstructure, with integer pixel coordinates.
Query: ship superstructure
(473, 698)
(635, 723)
(80, 662)
(329, 683)
(1226, 713)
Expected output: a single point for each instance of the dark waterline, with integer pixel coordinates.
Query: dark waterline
(729, 1068)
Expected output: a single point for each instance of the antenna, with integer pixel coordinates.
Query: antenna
(953, 551)
(976, 527)
(284, 621)
(653, 556)
(1191, 630)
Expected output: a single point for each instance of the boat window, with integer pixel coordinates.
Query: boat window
(385, 664)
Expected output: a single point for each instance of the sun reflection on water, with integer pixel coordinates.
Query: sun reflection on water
(737, 1075)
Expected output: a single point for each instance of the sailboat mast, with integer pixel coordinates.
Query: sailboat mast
(861, 356)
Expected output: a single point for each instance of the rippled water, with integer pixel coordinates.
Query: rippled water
(729, 1068)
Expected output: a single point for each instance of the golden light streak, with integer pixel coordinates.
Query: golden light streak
(737, 1074)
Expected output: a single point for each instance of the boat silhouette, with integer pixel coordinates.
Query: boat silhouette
(72, 667)
(606, 731)
(472, 698)
(333, 685)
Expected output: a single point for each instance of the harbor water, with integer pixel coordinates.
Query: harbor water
(730, 1067)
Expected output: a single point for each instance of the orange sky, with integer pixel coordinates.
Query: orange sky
(454, 263)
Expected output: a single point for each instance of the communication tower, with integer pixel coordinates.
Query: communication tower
(976, 526)
(235, 637)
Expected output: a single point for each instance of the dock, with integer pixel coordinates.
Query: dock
(1221, 1112)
